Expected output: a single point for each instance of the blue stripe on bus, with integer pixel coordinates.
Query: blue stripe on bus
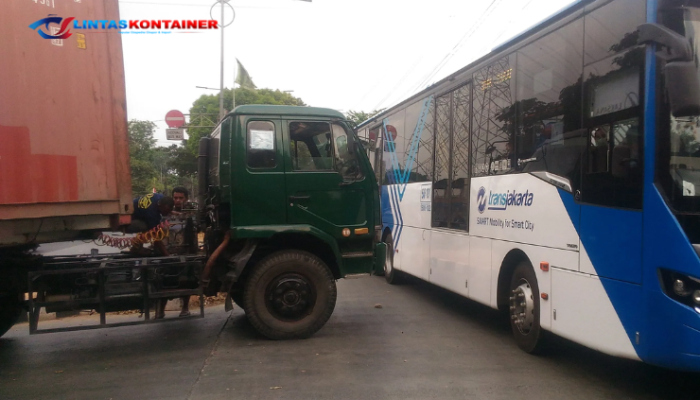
(397, 210)
(607, 261)
(387, 216)
(398, 178)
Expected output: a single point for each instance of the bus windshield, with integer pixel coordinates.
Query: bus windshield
(684, 161)
(685, 155)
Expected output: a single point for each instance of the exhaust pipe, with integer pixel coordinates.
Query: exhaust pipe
(212, 259)
(203, 172)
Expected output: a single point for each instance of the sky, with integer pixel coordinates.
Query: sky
(357, 55)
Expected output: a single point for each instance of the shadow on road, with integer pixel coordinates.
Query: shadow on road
(628, 375)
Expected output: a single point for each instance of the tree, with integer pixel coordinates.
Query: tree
(182, 162)
(162, 168)
(142, 154)
(359, 117)
(209, 104)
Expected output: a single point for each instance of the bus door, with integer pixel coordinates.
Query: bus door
(611, 196)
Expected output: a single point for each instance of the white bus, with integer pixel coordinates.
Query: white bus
(558, 179)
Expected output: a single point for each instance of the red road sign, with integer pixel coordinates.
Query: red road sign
(175, 119)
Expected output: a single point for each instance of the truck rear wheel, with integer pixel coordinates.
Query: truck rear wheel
(290, 294)
(10, 310)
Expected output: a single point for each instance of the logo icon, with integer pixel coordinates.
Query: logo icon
(145, 201)
(55, 32)
(481, 200)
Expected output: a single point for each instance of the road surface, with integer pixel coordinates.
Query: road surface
(411, 341)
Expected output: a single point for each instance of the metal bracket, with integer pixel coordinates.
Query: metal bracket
(101, 267)
(677, 46)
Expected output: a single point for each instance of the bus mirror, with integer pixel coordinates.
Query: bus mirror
(672, 46)
(683, 88)
(681, 73)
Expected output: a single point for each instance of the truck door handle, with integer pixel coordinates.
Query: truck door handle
(299, 197)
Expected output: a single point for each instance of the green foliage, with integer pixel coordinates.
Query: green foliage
(209, 105)
(182, 162)
(161, 167)
(142, 155)
(359, 117)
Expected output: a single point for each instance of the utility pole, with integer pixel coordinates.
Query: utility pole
(222, 26)
(221, 93)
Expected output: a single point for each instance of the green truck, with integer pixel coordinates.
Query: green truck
(290, 205)
(287, 203)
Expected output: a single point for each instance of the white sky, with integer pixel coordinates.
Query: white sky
(341, 54)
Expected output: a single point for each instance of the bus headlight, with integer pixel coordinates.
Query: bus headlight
(681, 288)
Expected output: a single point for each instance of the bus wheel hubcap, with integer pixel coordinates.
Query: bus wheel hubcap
(387, 263)
(522, 307)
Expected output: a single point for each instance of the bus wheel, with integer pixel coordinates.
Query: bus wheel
(10, 310)
(525, 309)
(391, 275)
(290, 294)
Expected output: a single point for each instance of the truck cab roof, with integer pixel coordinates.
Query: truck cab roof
(257, 109)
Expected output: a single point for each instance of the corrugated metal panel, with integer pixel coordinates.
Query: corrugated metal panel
(63, 135)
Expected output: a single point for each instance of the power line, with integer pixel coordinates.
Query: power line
(459, 44)
(447, 57)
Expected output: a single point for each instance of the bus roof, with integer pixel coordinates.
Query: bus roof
(259, 109)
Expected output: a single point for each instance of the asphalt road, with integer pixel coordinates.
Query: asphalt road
(423, 343)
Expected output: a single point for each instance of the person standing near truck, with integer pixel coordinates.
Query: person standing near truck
(148, 213)
(180, 198)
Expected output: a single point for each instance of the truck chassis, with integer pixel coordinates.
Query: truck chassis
(111, 283)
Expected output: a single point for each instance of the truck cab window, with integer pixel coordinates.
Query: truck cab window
(261, 151)
(311, 146)
(346, 162)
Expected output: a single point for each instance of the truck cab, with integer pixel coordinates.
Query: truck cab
(290, 204)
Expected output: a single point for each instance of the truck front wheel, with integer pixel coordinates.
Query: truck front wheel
(10, 310)
(290, 294)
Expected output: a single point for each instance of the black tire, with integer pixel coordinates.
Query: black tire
(10, 310)
(237, 298)
(290, 294)
(391, 275)
(524, 309)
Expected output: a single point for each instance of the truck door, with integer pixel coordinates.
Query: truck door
(258, 173)
(324, 181)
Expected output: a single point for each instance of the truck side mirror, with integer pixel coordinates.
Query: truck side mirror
(681, 71)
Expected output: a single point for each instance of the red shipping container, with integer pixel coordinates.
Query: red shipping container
(64, 155)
